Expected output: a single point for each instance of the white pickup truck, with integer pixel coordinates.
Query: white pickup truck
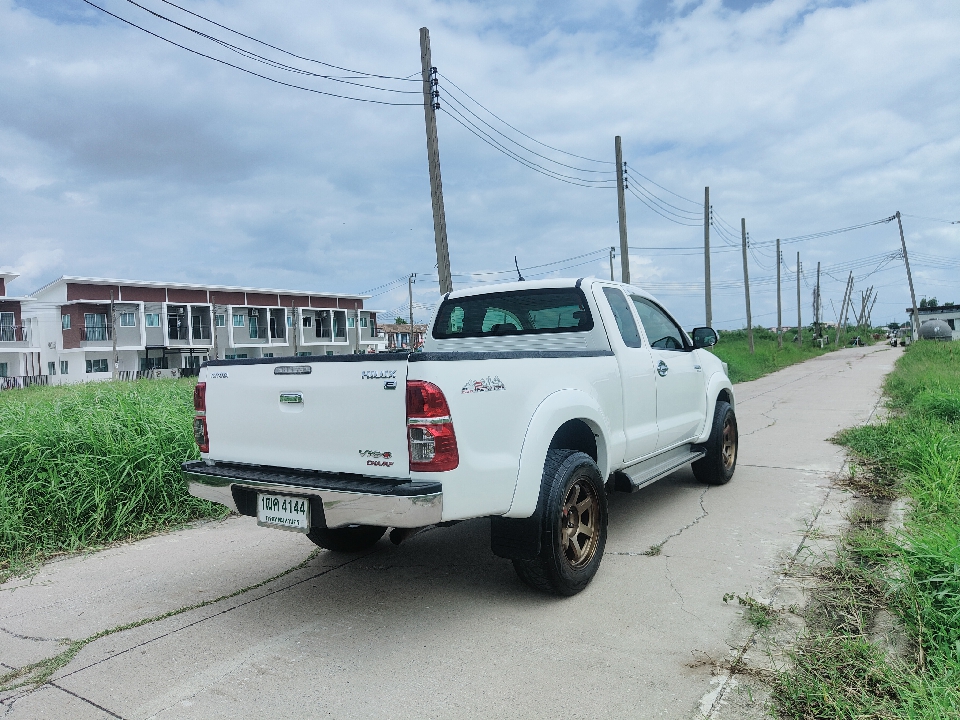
(529, 403)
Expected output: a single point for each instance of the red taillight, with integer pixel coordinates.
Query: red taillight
(430, 437)
(200, 433)
(200, 397)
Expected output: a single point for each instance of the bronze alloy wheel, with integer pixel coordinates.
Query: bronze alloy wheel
(579, 523)
(728, 448)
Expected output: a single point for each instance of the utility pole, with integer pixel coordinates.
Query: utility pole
(410, 281)
(816, 303)
(841, 319)
(431, 103)
(746, 282)
(622, 215)
(913, 297)
(113, 335)
(870, 312)
(707, 298)
(799, 322)
(779, 302)
(613, 254)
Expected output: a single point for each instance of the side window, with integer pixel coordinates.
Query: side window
(661, 331)
(623, 316)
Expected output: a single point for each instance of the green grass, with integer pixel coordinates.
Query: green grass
(734, 349)
(85, 465)
(915, 574)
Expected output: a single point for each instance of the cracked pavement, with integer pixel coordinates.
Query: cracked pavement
(439, 627)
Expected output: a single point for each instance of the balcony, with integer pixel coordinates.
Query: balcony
(201, 332)
(96, 333)
(14, 333)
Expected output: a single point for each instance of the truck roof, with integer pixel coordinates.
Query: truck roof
(540, 284)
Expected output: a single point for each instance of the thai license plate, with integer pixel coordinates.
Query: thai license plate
(283, 511)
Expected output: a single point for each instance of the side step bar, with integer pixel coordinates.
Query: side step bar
(652, 469)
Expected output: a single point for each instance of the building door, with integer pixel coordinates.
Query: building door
(95, 326)
(7, 330)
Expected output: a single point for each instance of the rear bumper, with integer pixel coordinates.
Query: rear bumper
(342, 500)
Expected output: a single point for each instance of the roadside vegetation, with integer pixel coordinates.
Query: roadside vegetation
(85, 465)
(734, 349)
(843, 667)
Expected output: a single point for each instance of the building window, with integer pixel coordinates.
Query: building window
(304, 353)
(127, 319)
(220, 320)
(351, 322)
(238, 356)
(51, 368)
(95, 326)
(329, 352)
(3, 370)
(64, 367)
(254, 326)
(268, 355)
(152, 319)
(238, 319)
(65, 321)
(363, 322)
(97, 366)
(289, 321)
(307, 321)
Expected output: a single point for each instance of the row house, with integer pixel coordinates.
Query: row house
(18, 348)
(401, 336)
(76, 322)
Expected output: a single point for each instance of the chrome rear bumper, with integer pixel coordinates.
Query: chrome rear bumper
(399, 506)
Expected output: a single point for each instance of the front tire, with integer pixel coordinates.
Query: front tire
(352, 538)
(574, 525)
(722, 447)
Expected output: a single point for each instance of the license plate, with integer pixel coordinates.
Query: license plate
(283, 511)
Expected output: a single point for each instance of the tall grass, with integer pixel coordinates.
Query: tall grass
(734, 349)
(90, 464)
(917, 570)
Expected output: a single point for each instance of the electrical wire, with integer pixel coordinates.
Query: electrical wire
(286, 52)
(658, 211)
(243, 69)
(922, 217)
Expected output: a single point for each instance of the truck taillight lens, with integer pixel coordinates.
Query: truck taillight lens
(430, 436)
(200, 397)
(200, 433)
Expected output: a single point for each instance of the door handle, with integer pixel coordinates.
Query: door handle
(662, 368)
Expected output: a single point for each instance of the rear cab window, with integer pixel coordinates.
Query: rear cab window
(518, 312)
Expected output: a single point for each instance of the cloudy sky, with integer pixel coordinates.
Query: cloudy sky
(122, 155)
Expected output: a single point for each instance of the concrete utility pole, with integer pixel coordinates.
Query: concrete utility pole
(613, 254)
(843, 307)
(622, 215)
(113, 334)
(779, 302)
(913, 297)
(410, 281)
(707, 298)
(746, 282)
(431, 103)
(816, 303)
(799, 322)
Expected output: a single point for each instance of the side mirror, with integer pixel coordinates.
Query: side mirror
(704, 337)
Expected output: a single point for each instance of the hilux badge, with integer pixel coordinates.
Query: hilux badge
(378, 374)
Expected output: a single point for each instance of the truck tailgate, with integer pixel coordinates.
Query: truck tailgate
(341, 413)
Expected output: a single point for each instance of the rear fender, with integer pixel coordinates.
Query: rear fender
(554, 411)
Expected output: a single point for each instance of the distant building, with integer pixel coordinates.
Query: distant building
(65, 330)
(949, 313)
(400, 336)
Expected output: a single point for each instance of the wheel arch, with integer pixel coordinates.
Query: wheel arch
(718, 388)
(566, 419)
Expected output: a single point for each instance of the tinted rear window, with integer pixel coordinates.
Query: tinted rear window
(522, 312)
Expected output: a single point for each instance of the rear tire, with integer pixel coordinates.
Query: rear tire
(352, 538)
(574, 529)
(722, 446)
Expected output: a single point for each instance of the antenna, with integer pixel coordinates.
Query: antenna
(518, 268)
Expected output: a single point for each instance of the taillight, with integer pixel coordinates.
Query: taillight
(200, 397)
(431, 440)
(200, 433)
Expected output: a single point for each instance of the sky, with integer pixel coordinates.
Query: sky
(123, 155)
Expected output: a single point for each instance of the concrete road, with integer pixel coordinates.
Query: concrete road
(439, 627)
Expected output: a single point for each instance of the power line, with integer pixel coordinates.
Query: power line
(243, 69)
(287, 52)
(922, 217)
(491, 113)
(661, 214)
